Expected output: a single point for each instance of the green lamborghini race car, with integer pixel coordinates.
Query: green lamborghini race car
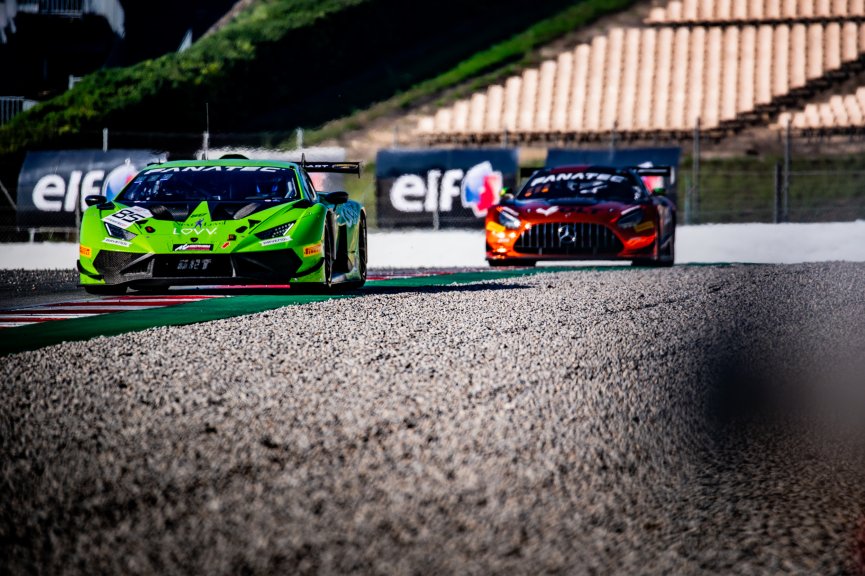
(228, 221)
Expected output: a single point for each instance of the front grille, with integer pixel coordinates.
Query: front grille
(264, 265)
(568, 238)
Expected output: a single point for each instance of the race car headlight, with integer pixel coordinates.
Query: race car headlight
(280, 230)
(509, 220)
(630, 220)
(118, 232)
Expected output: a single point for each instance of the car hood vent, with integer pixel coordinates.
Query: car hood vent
(173, 213)
(219, 211)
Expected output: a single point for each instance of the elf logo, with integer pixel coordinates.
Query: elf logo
(477, 188)
(52, 193)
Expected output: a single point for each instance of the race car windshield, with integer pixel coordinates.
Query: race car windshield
(582, 186)
(212, 183)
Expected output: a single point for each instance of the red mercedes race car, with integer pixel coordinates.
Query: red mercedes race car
(583, 213)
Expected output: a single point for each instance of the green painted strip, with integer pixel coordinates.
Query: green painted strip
(469, 277)
(54, 332)
(35, 336)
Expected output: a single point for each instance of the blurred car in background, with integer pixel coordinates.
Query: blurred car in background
(583, 213)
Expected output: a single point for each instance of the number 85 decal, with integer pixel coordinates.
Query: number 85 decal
(128, 216)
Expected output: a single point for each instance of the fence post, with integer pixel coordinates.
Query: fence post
(687, 202)
(105, 139)
(78, 213)
(788, 150)
(613, 138)
(779, 192)
(205, 144)
(695, 174)
(298, 142)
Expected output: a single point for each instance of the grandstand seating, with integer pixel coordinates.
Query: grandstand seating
(726, 12)
(841, 112)
(724, 63)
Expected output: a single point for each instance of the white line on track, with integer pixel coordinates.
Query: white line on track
(86, 308)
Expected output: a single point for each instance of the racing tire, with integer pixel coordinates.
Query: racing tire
(669, 257)
(666, 257)
(502, 262)
(361, 258)
(106, 290)
(328, 258)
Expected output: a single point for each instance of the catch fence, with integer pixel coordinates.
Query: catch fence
(802, 177)
(772, 194)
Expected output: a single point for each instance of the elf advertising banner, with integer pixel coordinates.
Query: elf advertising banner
(53, 185)
(441, 188)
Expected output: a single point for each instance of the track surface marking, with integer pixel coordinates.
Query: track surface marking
(26, 316)
(16, 317)
(103, 317)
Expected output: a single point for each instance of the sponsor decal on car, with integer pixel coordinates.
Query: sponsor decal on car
(117, 242)
(216, 169)
(314, 250)
(644, 226)
(226, 245)
(495, 227)
(193, 247)
(280, 240)
(196, 231)
(85, 251)
(565, 176)
(128, 216)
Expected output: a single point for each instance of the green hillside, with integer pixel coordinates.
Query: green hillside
(284, 64)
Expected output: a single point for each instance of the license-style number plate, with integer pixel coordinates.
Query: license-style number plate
(194, 264)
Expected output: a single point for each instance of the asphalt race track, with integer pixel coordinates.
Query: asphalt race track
(696, 420)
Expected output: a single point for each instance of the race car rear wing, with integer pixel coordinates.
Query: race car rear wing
(331, 167)
(665, 171)
(526, 171)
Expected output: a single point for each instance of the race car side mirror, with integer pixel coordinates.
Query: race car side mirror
(659, 191)
(336, 197)
(95, 199)
(507, 198)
